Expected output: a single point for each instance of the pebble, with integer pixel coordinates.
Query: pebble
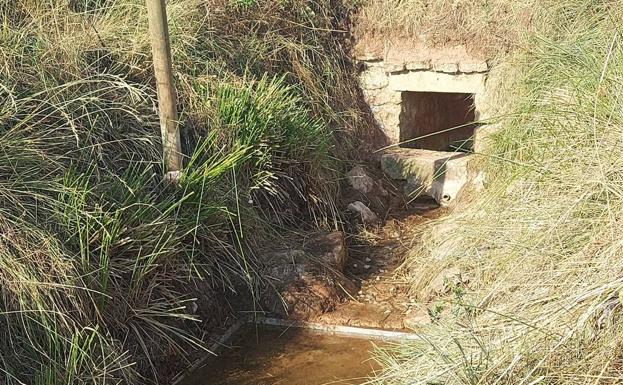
(387, 312)
(368, 260)
(366, 267)
(378, 278)
(354, 265)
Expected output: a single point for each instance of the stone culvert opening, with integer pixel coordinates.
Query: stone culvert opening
(439, 121)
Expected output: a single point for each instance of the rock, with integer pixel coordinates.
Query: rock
(360, 180)
(312, 294)
(307, 281)
(417, 319)
(367, 216)
(330, 249)
(367, 267)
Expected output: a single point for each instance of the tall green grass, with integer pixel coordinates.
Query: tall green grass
(102, 265)
(540, 247)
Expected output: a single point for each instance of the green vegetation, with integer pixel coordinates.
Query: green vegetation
(99, 261)
(541, 245)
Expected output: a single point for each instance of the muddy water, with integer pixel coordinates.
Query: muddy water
(271, 356)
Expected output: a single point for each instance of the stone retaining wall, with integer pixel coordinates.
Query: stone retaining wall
(387, 75)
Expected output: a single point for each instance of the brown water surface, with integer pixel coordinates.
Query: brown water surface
(271, 356)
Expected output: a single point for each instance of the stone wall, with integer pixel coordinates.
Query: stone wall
(386, 75)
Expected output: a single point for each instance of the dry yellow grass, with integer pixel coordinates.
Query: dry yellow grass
(485, 26)
(541, 245)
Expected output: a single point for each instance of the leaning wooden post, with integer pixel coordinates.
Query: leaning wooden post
(167, 97)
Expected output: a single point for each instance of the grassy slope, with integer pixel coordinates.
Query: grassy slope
(99, 260)
(541, 244)
(487, 27)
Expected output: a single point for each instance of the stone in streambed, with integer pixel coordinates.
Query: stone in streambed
(367, 216)
(308, 281)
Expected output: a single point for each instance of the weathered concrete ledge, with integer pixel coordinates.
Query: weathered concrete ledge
(441, 175)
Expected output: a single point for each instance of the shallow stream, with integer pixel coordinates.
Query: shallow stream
(262, 355)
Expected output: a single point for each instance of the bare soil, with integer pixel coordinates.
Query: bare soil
(401, 50)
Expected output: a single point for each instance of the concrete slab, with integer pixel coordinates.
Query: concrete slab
(438, 174)
(429, 81)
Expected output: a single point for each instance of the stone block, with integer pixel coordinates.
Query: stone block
(374, 78)
(473, 66)
(388, 117)
(429, 81)
(379, 97)
(394, 66)
(438, 174)
(419, 65)
(450, 68)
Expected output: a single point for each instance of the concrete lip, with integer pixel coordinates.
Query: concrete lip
(222, 345)
(438, 174)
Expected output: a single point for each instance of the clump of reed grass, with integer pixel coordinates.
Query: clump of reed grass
(540, 245)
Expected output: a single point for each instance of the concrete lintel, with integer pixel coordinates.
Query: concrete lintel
(429, 81)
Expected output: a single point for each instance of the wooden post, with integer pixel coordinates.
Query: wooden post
(167, 97)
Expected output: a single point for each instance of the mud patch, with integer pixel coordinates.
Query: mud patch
(383, 299)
